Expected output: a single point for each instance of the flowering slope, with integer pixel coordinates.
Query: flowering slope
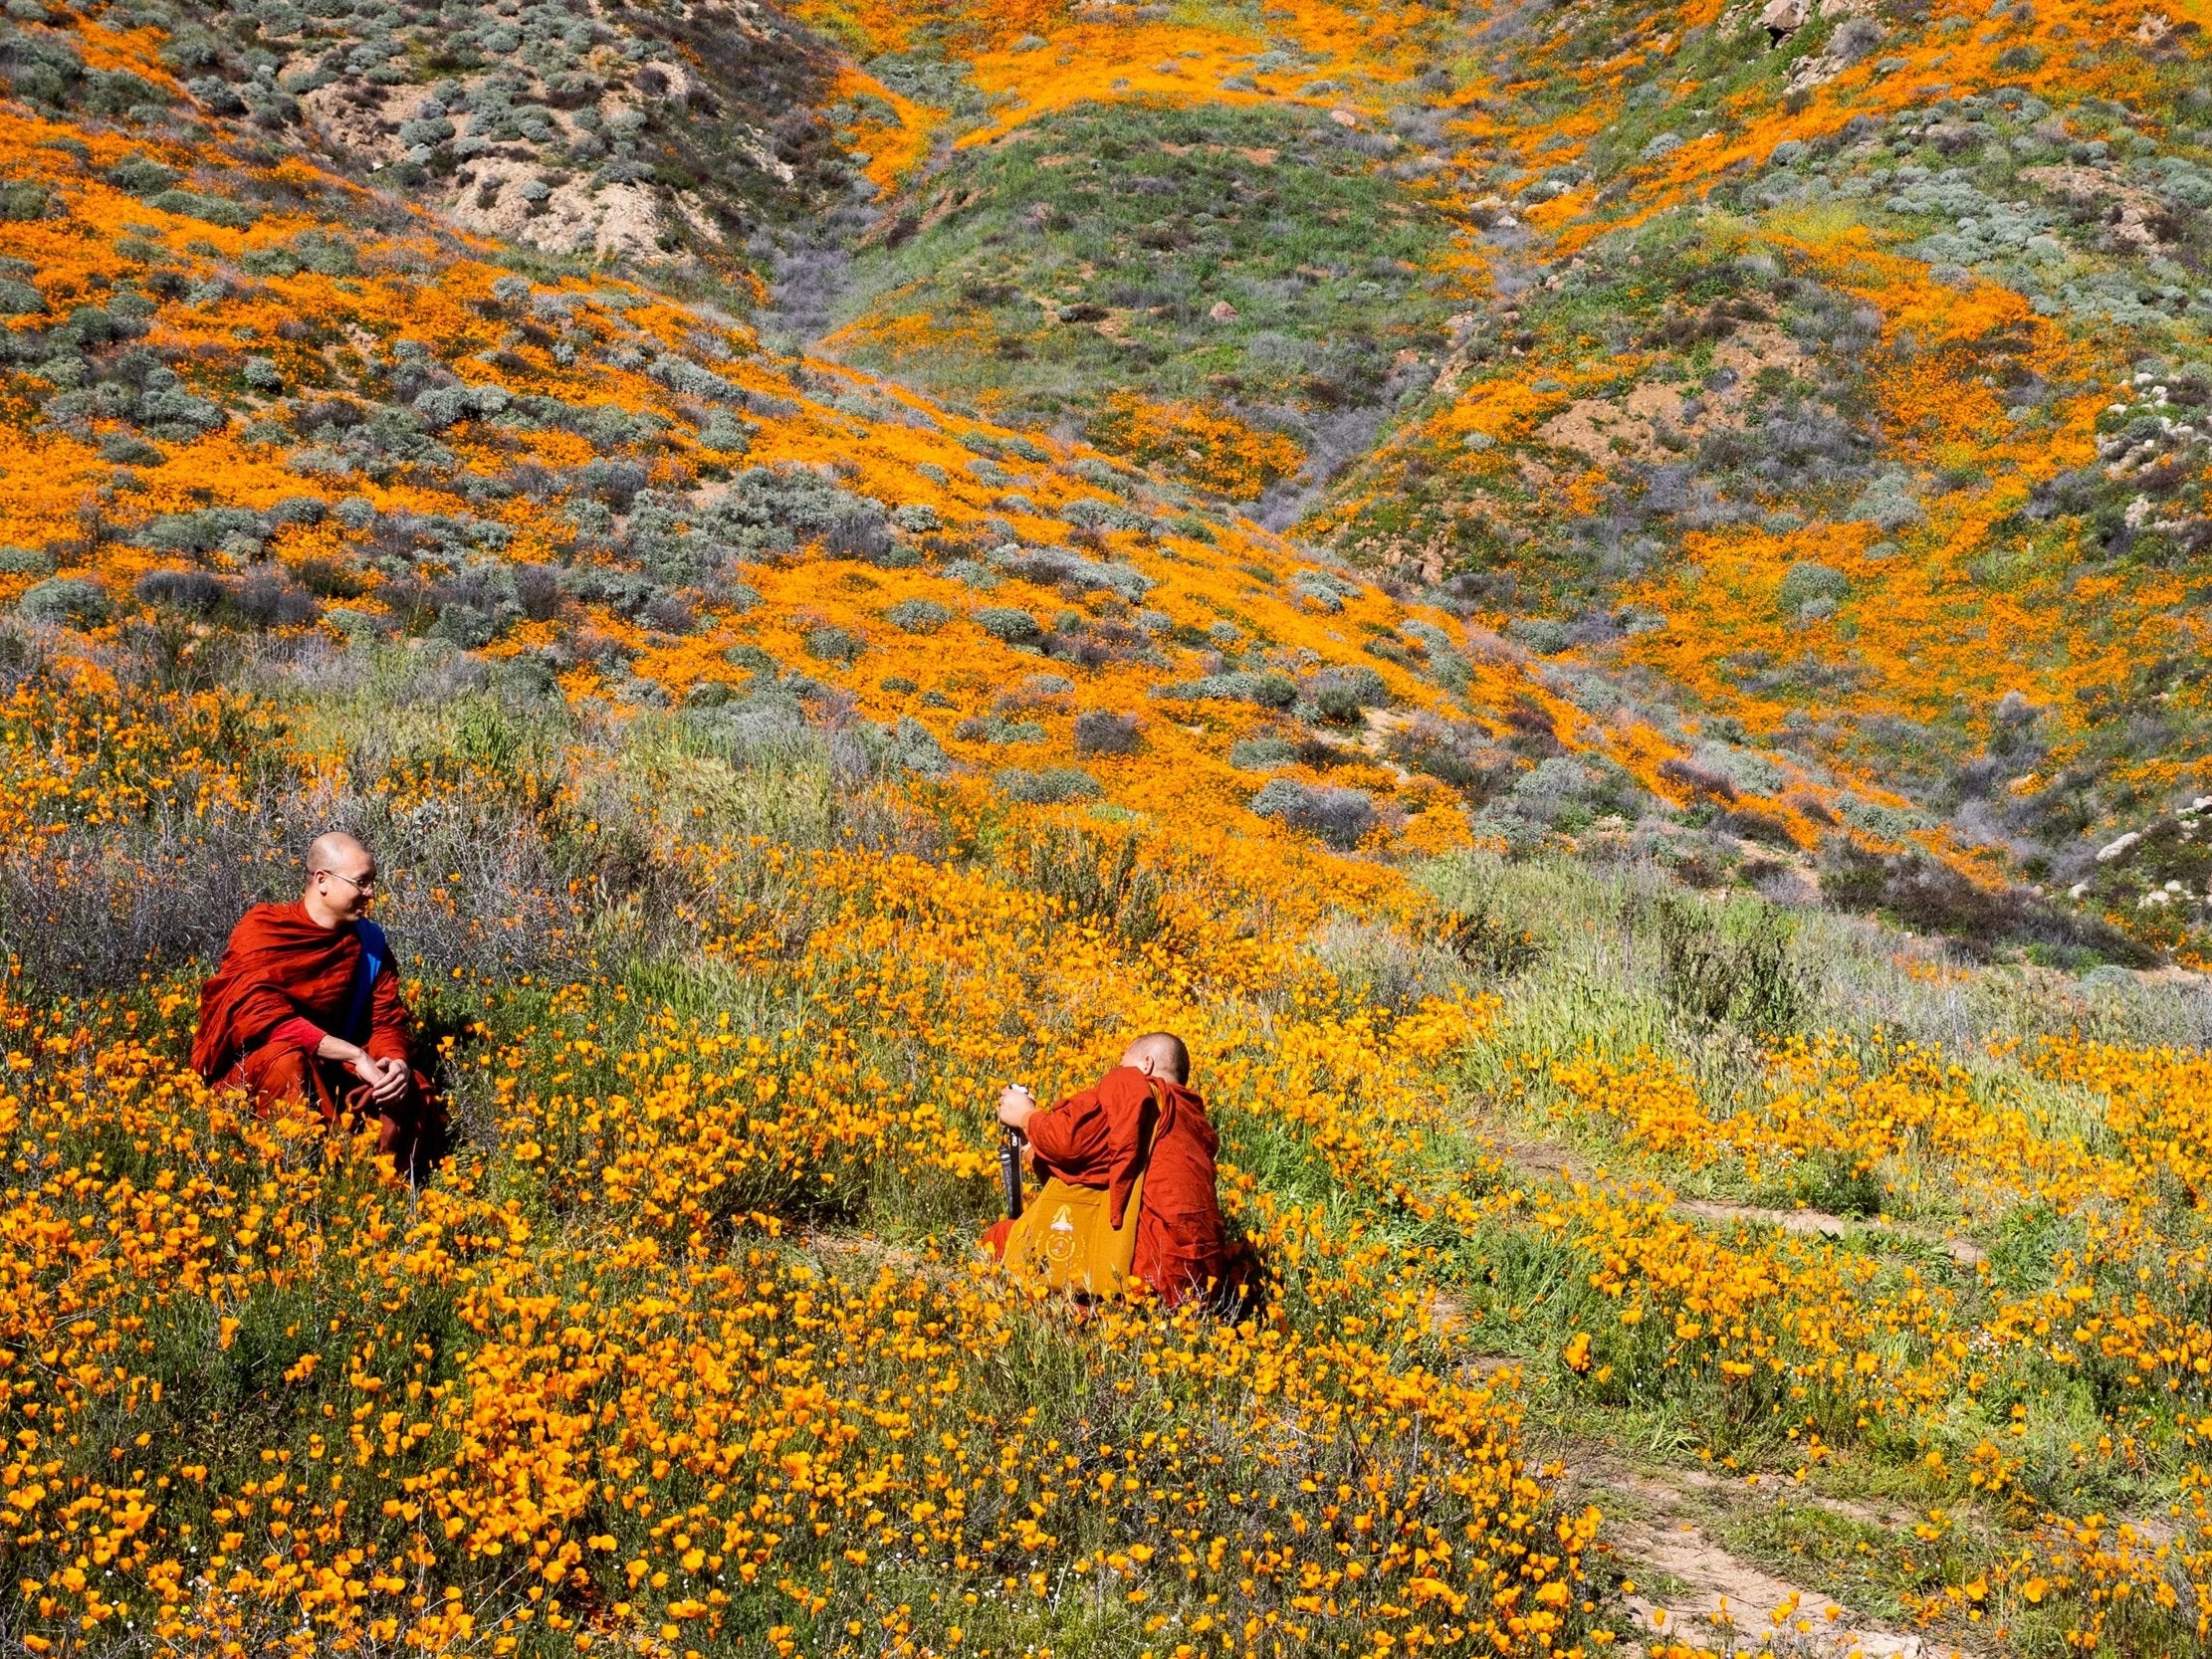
(1746, 458)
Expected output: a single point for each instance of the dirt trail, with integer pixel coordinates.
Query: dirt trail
(1692, 1587)
(1546, 1161)
(1964, 1251)
(1722, 1595)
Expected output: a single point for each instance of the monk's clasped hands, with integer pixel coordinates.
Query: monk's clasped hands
(386, 1079)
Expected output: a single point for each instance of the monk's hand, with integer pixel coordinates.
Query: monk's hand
(1017, 1106)
(386, 1079)
(388, 1088)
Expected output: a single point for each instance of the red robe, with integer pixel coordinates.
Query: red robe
(284, 982)
(1096, 1138)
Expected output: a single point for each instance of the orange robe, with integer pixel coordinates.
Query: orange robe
(1096, 1138)
(284, 982)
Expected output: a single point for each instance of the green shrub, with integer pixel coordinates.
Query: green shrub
(1807, 583)
(1480, 936)
(1340, 817)
(1015, 627)
(1095, 880)
(1339, 705)
(1541, 634)
(68, 601)
(918, 616)
(140, 176)
(991, 728)
(1259, 753)
(1743, 976)
(1047, 787)
(23, 199)
(212, 210)
(833, 645)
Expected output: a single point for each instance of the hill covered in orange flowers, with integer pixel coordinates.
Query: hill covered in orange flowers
(1798, 426)
(1603, 607)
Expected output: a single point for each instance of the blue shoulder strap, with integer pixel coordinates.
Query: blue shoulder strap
(375, 954)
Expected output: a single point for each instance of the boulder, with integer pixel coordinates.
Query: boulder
(1783, 18)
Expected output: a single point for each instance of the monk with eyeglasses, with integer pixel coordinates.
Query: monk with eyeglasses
(305, 1007)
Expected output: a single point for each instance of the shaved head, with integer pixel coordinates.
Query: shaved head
(339, 851)
(341, 880)
(1159, 1054)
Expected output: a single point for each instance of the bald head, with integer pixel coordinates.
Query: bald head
(336, 850)
(341, 878)
(1159, 1054)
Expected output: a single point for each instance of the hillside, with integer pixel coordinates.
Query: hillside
(1602, 608)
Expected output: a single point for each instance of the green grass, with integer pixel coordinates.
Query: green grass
(1321, 254)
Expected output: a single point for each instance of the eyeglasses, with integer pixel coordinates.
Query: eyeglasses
(360, 884)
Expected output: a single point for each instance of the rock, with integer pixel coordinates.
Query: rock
(1783, 18)
(1221, 311)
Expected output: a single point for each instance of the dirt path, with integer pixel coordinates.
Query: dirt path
(1544, 1161)
(1964, 1251)
(1690, 1587)
(1723, 1596)
(1665, 1525)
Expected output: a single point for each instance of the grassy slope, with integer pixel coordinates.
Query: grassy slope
(1248, 259)
(1920, 254)
(724, 936)
(1878, 242)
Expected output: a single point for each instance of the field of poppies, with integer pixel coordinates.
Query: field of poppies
(1600, 609)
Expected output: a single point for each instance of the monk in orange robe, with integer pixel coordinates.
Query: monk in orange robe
(305, 1007)
(1100, 1138)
